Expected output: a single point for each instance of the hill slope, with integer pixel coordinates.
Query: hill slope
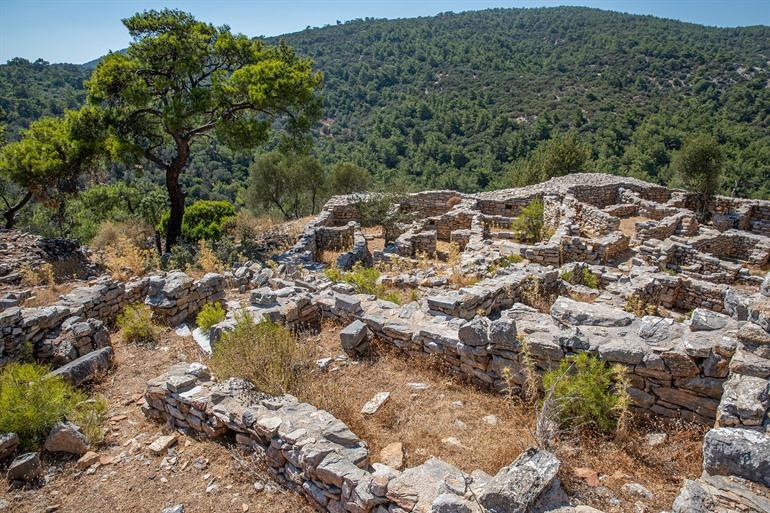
(454, 100)
(451, 100)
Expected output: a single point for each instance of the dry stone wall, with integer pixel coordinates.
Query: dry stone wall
(310, 451)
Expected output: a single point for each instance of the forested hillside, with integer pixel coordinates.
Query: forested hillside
(459, 100)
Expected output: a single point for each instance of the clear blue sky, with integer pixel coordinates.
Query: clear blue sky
(81, 30)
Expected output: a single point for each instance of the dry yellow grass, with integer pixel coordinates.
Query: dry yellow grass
(124, 259)
(420, 420)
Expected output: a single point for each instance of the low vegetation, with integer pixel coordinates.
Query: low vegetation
(529, 225)
(209, 315)
(584, 277)
(125, 259)
(365, 281)
(504, 263)
(588, 392)
(640, 307)
(266, 354)
(137, 326)
(31, 402)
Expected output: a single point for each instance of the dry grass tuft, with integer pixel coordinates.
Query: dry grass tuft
(125, 259)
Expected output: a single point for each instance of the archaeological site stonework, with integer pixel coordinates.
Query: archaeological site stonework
(629, 271)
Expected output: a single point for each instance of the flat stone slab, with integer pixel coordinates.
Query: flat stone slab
(576, 313)
(87, 367)
(374, 404)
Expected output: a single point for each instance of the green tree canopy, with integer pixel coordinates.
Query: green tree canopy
(288, 183)
(51, 157)
(554, 157)
(181, 79)
(699, 165)
(347, 178)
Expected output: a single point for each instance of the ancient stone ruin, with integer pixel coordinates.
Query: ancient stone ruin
(634, 273)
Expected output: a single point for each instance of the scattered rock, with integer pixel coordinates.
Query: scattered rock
(589, 475)
(162, 443)
(8, 444)
(637, 490)
(492, 420)
(66, 437)
(392, 455)
(655, 439)
(87, 367)
(88, 459)
(179, 508)
(374, 404)
(26, 468)
(355, 338)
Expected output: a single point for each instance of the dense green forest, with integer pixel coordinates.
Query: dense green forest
(462, 100)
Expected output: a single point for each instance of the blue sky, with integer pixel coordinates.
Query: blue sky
(81, 30)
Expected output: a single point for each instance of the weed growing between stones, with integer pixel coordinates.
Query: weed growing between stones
(639, 307)
(584, 277)
(209, 315)
(136, 325)
(365, 281)
(533, 293)
(31, 402)
(587, 392)
(266, 354)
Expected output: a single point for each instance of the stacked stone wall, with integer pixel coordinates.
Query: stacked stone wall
(310, 451)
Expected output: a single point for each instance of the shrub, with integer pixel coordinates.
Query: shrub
(43, 275)
(639, 307)
(108, 233)
(588, 392)
(181, 256)
(136, 324)
(124, 259)
(203, 219)
(529, 223)
(209, 315)
(207, 260)
(585, 277)
(364, 279)
(264, 353)
(31, 403)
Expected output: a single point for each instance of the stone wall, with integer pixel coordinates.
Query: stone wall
(311, 452)
(43, 326)
(65, 330)
(175, 296)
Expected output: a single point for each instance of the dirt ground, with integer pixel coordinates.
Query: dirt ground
(451, 420)
(130, 478)
(627, 225)
(447, 418)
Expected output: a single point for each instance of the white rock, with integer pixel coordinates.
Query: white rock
(374, 404)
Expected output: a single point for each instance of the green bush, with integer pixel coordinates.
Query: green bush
(529, 224)
(136, 324)
(264, 353)
(31, 403)
(586, 277)
(181, 256)
(588, 392)
(203, 220)
(209, 315)
(364, 279)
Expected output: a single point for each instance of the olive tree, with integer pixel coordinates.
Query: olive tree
(182, 79)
